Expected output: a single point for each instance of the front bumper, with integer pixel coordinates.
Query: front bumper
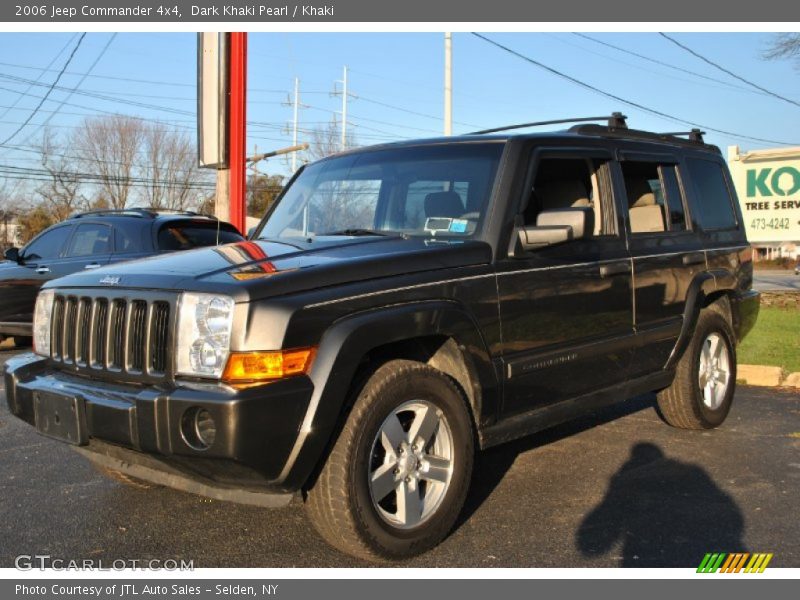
(256, 427)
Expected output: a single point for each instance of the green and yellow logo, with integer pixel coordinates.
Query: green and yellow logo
(720, 562)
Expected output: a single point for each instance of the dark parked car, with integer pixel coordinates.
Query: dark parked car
(399, 307)
(91, 240)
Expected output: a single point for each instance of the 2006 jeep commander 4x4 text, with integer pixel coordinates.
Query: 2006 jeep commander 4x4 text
(399, 307)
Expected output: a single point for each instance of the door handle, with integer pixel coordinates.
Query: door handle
(694, 258)
(42, 270)
(615, 269)
(92, 266)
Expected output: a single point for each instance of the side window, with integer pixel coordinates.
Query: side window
(124, 242)
(646, 197)
(48, 245)
(714, 202)
(90, 239)
(570, 183)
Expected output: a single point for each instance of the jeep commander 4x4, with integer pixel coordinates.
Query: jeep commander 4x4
(397, 308)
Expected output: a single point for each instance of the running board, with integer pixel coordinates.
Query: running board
(545, 417)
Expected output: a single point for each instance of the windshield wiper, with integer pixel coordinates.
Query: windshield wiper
(356, 232)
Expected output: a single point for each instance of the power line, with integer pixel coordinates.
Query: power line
(64, 100)
(724, 70)
(50, 64)
(642, 107)
(658, 62)
(49, 90)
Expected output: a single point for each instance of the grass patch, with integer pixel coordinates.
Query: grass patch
(775, 340)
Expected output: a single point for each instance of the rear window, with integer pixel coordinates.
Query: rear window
(715, 205)
(185, 235)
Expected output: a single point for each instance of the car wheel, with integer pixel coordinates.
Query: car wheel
(397, 476)
(701, 395)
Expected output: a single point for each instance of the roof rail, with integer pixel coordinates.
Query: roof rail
(615, 121)
(139, 212)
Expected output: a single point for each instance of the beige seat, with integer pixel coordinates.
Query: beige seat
(646, 215)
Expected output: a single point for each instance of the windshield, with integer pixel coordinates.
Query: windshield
(427, 191)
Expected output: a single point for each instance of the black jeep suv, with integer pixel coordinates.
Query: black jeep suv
(399, 307)
(90, 240)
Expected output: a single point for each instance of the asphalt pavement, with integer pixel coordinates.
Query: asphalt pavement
(776, 281)
(615, 488)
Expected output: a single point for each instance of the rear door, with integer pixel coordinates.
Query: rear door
(667, 252)
(90, 247)
(566, 310)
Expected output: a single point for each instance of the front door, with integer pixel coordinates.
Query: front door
(566, 310)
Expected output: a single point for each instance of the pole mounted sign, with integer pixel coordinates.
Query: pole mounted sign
(768, 185)
(222, 118)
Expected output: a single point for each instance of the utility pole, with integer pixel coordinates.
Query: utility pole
(344, 94)
(448, 83)
(295, 103)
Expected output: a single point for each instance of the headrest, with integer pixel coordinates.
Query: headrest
(639, 192)
(646, 199)
(563, 193)
(443, 204)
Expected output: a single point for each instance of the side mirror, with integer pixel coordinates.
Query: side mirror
(251, 231)
(12, 254)
(557, 226)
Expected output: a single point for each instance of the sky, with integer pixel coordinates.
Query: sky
(396, 82)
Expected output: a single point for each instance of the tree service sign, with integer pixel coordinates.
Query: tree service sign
(768, 185)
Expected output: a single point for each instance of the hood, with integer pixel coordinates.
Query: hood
(260, 269)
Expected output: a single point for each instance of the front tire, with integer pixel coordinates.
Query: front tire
(396, 479)
(701, 395)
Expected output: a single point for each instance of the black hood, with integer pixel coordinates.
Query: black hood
(262, 269)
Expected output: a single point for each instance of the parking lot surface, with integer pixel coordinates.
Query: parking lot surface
(615, 488)
(776, 281)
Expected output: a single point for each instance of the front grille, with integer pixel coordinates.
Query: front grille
(113, 335)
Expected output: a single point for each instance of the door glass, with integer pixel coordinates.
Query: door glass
(569, 183)
(48, 245)
(90, 239)
(646, 197)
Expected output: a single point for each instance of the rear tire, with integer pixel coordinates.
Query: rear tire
(701, 395)
(397, 476)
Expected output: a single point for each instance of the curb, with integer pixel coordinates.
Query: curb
(766, 376)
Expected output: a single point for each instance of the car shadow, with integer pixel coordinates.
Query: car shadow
(661, 512)
(492, 465)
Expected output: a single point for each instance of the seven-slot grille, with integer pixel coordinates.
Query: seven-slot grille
(111, 334)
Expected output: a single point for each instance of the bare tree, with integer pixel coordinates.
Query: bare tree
(327, 140)
(107, 147)
(784, 45)
(61, 192)
(169, 166)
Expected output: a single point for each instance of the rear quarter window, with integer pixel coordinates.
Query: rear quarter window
(713, 202)
(185, 235)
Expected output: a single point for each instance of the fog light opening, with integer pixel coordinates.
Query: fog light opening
(198, 428)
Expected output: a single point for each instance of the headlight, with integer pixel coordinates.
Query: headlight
(204, 334)
(41, 322)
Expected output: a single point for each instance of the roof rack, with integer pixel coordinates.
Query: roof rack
(138, 212)
(694, 138)
(615, 121)
(695, 135)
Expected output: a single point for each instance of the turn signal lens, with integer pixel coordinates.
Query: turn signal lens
(265, 366)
